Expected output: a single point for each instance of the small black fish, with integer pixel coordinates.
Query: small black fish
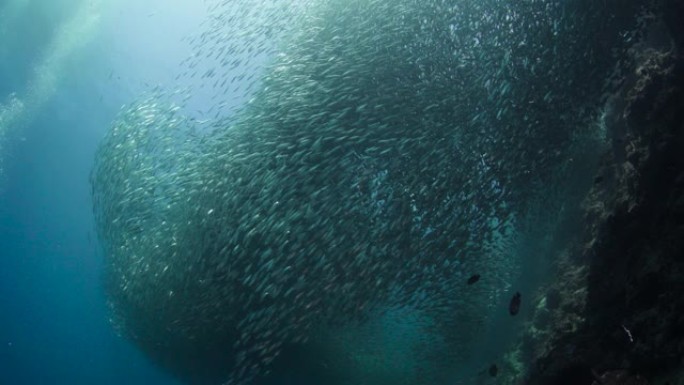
(493, 370)
(473, 279)
(514, 306)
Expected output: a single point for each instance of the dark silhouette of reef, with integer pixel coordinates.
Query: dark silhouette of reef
(614, 313)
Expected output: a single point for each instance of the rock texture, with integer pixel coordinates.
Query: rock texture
(615, 313)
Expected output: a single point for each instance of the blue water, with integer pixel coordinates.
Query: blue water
(54, 326)
(66, 69)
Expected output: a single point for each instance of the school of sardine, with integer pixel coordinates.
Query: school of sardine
(383, 154)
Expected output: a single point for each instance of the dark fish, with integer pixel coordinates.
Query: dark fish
(473, 279)
(493, 370)
(514, 306)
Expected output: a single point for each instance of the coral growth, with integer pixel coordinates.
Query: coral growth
(614, 312)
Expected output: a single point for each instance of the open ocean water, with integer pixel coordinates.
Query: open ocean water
(67, 66)
(310, 192)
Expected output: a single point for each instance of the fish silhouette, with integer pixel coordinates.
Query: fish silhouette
(473, 279)
(514, 306)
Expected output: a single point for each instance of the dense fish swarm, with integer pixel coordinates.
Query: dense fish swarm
(384, 153)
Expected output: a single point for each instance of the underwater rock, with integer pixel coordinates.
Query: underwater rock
(631, 261)
(553, 299)
(619, 377)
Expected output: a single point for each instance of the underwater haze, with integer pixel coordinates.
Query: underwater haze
(327, 192)
(65, 69)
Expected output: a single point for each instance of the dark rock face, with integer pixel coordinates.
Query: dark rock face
(619, 377)
(632, 259)
(634, 299)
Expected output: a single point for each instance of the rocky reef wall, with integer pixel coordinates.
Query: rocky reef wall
(615, 312)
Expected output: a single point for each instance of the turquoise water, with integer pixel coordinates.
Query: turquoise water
(57, 99)
(291, 192)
